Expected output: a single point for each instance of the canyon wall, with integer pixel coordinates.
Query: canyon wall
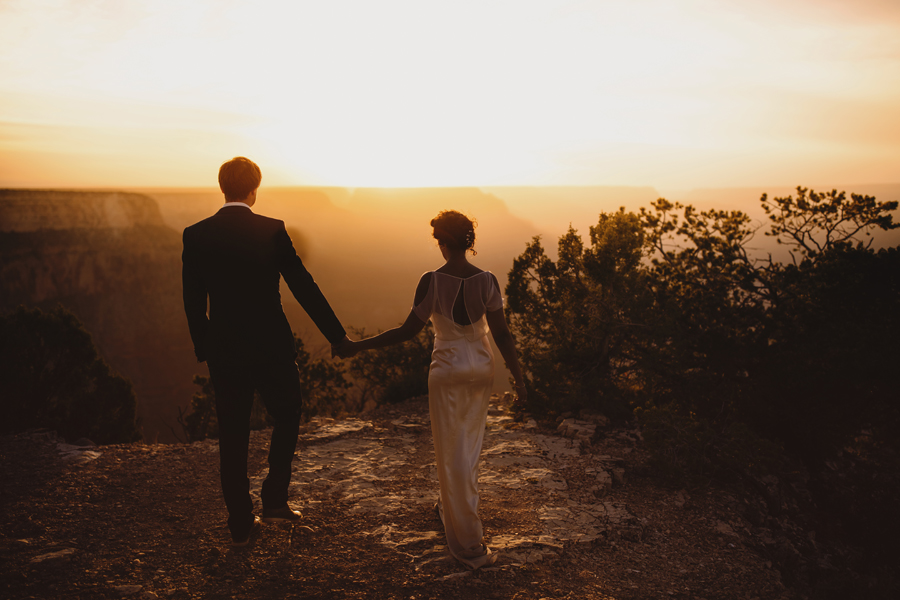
(110, 259)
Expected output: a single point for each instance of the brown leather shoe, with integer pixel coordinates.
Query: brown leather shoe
(283, 514)
(254, 529)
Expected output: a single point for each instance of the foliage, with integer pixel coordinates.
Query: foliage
(829, 363)
(52, 376)
(395, 373)
(800, 352)
(814, 222)
(574, 319)
(322, 384)
(202, 422)
(669, 310)
(688, 449)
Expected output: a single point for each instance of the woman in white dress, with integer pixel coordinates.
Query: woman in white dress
(464, 304)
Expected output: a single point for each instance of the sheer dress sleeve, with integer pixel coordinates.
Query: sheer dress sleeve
(493, 299)
(424, 308)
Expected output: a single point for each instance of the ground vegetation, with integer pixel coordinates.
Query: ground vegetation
(52, 376)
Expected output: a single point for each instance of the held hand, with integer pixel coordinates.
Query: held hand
(344, 349)
(338, 347)
(349, 349)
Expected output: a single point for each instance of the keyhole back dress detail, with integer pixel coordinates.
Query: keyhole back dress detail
(459, 387)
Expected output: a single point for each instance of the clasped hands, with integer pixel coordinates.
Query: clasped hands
(346, 348)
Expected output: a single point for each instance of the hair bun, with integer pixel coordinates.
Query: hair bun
(454, 230)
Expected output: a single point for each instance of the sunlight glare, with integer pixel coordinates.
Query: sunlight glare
(407, 93)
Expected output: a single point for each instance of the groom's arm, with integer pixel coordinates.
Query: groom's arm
(194, 293)
(306, 290)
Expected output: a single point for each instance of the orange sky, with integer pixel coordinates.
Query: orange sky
(674, 94)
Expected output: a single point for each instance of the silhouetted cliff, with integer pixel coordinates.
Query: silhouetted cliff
(110, 259)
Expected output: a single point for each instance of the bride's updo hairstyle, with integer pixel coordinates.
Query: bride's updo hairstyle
(454, 230)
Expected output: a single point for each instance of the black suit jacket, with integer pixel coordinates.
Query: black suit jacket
(236, 259)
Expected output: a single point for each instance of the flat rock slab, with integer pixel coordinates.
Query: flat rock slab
(127, 590)
(368, 468)
(76, 454)
(53, 557)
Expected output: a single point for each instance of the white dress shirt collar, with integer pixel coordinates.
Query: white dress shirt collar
(236, 204)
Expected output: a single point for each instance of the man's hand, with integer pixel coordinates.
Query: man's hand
(343, 348)
(521, 393)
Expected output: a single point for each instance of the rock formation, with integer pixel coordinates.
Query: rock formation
(110, 259)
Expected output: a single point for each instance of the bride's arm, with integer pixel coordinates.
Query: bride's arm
(412, 326)
(503, 338)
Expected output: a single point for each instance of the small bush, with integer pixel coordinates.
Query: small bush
(322, 385)
(52, 376)
(395, 373)
(201, 422)
(576, 320)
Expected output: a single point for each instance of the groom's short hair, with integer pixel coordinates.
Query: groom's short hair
(238, 177)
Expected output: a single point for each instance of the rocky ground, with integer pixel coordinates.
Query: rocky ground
(567, 508)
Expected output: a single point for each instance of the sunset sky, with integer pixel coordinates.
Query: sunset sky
(675, 94)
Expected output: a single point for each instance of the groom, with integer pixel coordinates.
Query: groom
(235, 259)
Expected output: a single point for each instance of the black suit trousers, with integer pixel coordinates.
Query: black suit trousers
(278, 383)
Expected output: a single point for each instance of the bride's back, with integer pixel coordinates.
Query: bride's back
(460, 301)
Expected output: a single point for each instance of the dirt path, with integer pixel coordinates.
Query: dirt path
(569, 517)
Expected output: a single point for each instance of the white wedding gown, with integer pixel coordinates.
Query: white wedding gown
(459, 386)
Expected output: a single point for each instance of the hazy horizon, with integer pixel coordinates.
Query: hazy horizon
(529, 201)
(366, 248)
(548, 210)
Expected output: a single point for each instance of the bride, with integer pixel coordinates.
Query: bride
(463, 303)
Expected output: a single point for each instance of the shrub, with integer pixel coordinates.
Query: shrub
(686, 449)
(395, 373)
(575, 320)
(52, 376)
(322, 385)
(668, 309)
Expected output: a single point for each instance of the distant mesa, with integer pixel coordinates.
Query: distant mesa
(33, 210)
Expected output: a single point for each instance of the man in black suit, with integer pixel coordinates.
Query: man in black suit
(236, 259)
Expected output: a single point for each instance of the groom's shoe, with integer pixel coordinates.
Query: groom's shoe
(243, 541)
(283, 514)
